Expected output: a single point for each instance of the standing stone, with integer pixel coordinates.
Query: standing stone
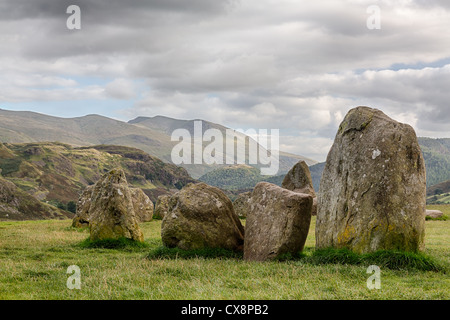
(373, 189)
(111, 214)
(142, 205)
(277, 223)
(242, 204)
(298, 179)
(162, 206)
(81, 218)
(201, 216)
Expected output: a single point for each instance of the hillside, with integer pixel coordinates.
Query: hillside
(316, 174)
(152, 135)
(443, 187)
(57, 172)
(167, 125)
(439, 193)
(436, 153)
(235, 177)
(16, 204)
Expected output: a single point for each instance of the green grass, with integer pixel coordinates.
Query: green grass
(121, 243)
(395, 260)
(35, 255)
(163, 252)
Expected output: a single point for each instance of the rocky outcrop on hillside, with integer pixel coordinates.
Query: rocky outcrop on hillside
(15, 204)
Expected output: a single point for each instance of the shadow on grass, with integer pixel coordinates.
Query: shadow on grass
(395, 260)
(121, 243)
(163, 252)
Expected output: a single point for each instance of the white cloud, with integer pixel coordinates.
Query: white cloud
(121, 89)
(297, 66)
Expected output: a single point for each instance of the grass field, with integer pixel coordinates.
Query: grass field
(35, 255)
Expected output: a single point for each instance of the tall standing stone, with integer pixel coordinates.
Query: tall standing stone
(298, 179)
(111, 213)
(373, 189)
(277, 223)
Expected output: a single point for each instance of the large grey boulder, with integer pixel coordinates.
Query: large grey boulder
(201, 216)
(373, 189)
(277, 223)
(111, 213)
(298, 179)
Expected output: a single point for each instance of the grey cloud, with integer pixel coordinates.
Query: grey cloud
(298, 66)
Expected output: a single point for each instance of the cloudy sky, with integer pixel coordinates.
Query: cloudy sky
(294, 65)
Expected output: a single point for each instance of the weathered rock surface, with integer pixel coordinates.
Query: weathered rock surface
(162, 206)
(111, 213)
(433, 213)
(277, 223)
(242, 204)
(81, 218)
(373, 189)
(201, 216)
(142, 205)
(298, 179)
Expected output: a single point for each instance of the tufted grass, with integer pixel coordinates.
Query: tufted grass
(163, 252)
(35, 255)
(395, 260)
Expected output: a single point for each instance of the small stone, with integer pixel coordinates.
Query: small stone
(433, 214)
(162, 206)
(241, 204)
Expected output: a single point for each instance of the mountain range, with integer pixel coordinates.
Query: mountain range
(151, 135)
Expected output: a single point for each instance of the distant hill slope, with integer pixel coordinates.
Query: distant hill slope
(167, 125)
(152, 135)
(234, 177)
(436, 153)
(16, 204)
(440, 188)
(56, 171)
(243, 177)
(316, 174)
